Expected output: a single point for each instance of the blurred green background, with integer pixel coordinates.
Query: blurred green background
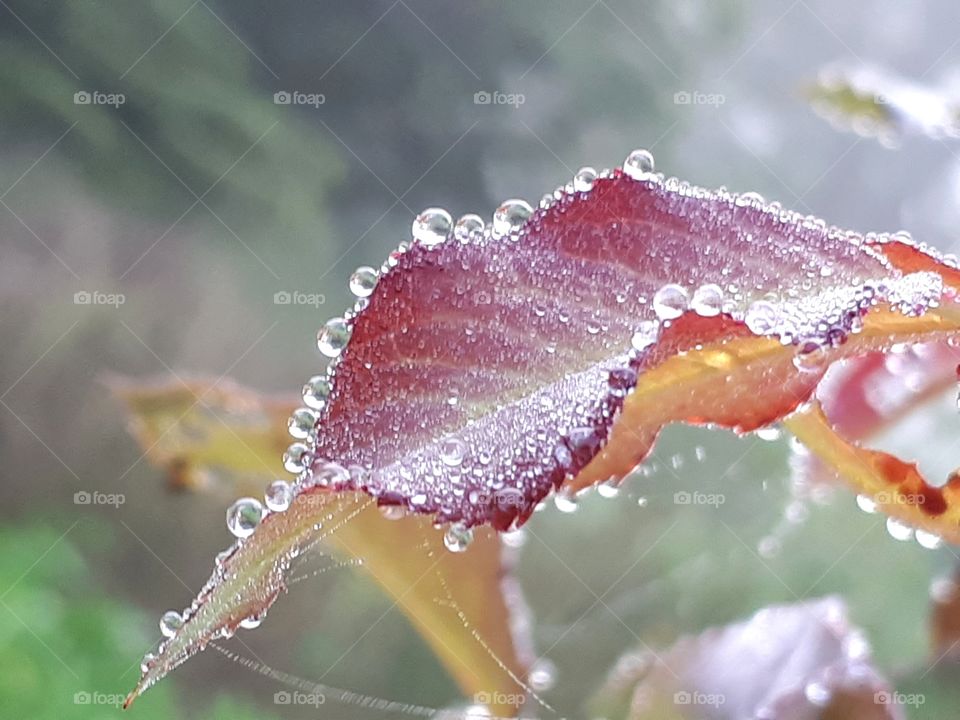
(199, 198)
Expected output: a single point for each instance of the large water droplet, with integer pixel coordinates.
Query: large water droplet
(333, 337)
(328, 474)
(670, 301)
(928, 539)
(510, 216)
(543, 675)
(810, 357)
(316, 392)
(707, 300)
(458, 537)
(170, 622)
(867, 504)
(467, 227)
(646, 335)
(638, 164)
(278, 495)
(584, 179)
(364, 281)
(898, 530)
(564, 502)
(432, 226)
(244, 516)
(296, 458)
(251, 622)
(452, 452)
(302, 422)
(762, 318)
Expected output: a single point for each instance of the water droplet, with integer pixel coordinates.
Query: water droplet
(296, 458)
(810, 357)
(364, 281)
(769, 547)
(458, 538)
(244, 516)
(147, 662)
(584, 179)
(316, 392)
(452, 452)
(565, 503)
(510, 216)
(769, 434)
(432, 226)
(638, 164)
(646, 335)
(762, 317)
(514, 538)
(301, 423)
(670, 301)
(333, 337)
(328, 474)
(609, 489)
(898, 530)
(251, 622)
(543, 675)
(928, 540)
(867, 504)
(467, 227)
(707, 300)
(817, 694)
(278, 495)
(170, 622)
(392, 512)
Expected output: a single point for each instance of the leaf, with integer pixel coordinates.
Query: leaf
(216, 435)
(876, 103)
(805, 661)
(486, 370)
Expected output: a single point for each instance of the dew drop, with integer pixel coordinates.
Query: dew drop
(457, 538)
(467, 227)
(564, 502)
(670, 301)
(769, 547)
(364, 281)
(170, 622)
(543, 675)
(432, 226)
(762, 317)
(514, 538)
(584, 179)
(328, 474)
(928, 540)
(452, 452)
(333, 337)
(315, 392)
(609, 489)
(244, 516)
(296, 458)
(638, 164)
(278, 495)
(817, 694)
(147, 661)
(301, 423)
(510, 216)
(867, 504)
(707, 300)
(646, 335)
(899, 530)
(251, 622)
(392, 512)
(810, 357)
